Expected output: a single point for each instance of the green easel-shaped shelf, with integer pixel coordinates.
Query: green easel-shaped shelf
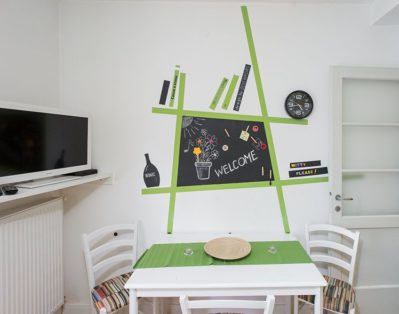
(265, 119)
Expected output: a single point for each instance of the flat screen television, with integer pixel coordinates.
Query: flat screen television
(37, 142)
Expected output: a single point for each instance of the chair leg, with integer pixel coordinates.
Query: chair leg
(296, 304)
(157, 305)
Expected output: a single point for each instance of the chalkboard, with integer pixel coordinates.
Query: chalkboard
(216, 151)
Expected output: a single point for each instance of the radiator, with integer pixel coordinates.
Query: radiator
(31, 278)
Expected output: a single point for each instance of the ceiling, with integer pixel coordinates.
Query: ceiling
(264, 1)
(382, 12)
(276, 1)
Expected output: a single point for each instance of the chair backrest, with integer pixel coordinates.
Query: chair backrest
(186, 304)
(334, 246)
(109, 251)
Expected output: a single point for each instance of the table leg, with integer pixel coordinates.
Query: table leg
(318, 302)
(133, 302)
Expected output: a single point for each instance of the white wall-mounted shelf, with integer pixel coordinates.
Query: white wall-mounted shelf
(23, 193)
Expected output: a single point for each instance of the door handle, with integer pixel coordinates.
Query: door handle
(339, 198)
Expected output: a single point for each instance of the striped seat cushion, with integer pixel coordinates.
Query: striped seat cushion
(338, 296)
(111, 294)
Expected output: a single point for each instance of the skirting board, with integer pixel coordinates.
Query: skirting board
(377, 299)
(86, 309)
(77, 309)
(145, 306)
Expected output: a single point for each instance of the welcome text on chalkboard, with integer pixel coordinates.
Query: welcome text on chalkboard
(216, 151)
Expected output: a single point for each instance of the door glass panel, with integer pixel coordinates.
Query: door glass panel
(366, 110)
(370, 100)
(373, 194)
(370, 147)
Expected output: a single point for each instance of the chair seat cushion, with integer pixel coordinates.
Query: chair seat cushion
(338, 296)
(111, 294)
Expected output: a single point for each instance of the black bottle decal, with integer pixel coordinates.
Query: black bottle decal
(151, 174)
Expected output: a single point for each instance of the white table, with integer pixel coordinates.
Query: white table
(252, 280)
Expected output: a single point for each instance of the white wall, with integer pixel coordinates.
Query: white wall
(29, 51)
(114, 57)
(384, 12)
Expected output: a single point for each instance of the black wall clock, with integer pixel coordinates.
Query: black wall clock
(299, 104)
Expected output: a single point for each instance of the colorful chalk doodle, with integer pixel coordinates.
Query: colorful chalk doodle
(220, 154)
(205, 151)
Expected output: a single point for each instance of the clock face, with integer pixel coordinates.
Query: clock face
(299, 104)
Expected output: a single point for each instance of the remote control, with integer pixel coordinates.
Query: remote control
(10, 189)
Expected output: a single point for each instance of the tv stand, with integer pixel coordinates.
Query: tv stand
(46, 181)
(106, 178)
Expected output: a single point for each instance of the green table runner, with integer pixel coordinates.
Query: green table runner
(178, 254)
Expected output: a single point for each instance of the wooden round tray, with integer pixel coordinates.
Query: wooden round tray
(227, 248)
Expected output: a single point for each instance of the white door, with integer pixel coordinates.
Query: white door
(365, 178)
(365, 162)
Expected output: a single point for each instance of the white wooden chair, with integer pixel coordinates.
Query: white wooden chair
(186, 304)
(110, 253)
(336, 248)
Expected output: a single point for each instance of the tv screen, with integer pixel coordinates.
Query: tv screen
(38, 143)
